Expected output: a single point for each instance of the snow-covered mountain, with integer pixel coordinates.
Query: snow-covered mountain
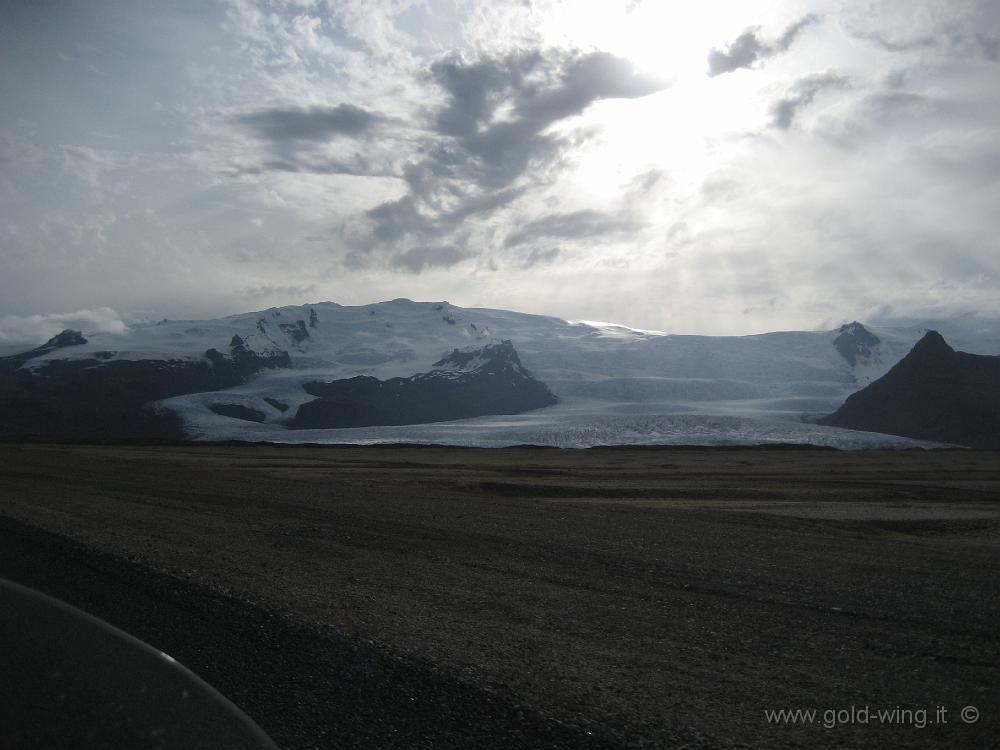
(614, 384)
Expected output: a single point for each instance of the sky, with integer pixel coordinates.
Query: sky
(691, 167)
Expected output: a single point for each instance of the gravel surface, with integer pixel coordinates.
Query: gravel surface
(422, 597)
(310, 687)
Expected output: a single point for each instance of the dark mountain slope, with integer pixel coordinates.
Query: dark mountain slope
(102, 398)
(464, 384)
(934, 393)
(61, 340)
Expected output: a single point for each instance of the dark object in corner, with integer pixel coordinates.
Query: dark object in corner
(52, 649)
(933, 393)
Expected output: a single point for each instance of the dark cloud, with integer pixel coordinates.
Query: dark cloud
(497, 109)
(395, 218)
(741, 53)
(748, 47)
(476, 89)
(491, 134)
(483, 203)
(419, 259)
(420, 215)
(298, 140)
(805, 90)
(539, 257)
(582, 80)
(355, 164)
(791, 33)
(575, 225)
(882, 107)
(356, 260)
(950, 40)
(538, 88)
(909, 112)
(309, 124)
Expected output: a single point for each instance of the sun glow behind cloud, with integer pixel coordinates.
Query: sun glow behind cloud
(681, 131)
(669, 38)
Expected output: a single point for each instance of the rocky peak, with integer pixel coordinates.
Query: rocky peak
(67, 337)
(62, 339)
(855, 343)
(498, 355)
(932, 344)
(295, 331)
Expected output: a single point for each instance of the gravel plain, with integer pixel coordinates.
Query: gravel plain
(404, 596)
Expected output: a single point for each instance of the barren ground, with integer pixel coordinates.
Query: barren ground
(437, 597)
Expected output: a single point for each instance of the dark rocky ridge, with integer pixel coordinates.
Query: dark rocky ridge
(467, 384)
(62, 339)
(855, 342)
(279, 405)
(934, 393)
(96, 398)
(238, 411)
(295, 331)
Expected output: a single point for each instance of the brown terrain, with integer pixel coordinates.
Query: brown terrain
(435, 597)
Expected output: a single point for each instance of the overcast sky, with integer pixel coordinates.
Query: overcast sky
(712, 167)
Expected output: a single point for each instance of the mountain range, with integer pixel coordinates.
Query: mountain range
(438, 373)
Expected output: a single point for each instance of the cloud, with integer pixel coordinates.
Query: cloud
(741, 53)
(575, 225)
(791, 33)
(491, 135)
(497, 107)
(355, 164)
(538, 257)
(309, 124)
(280, 290)
(317, 140)
(285, 110)
(418, 259)
(643, 183)
(748, 48)
(951, 40)
(805, 90)
(31, 330)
